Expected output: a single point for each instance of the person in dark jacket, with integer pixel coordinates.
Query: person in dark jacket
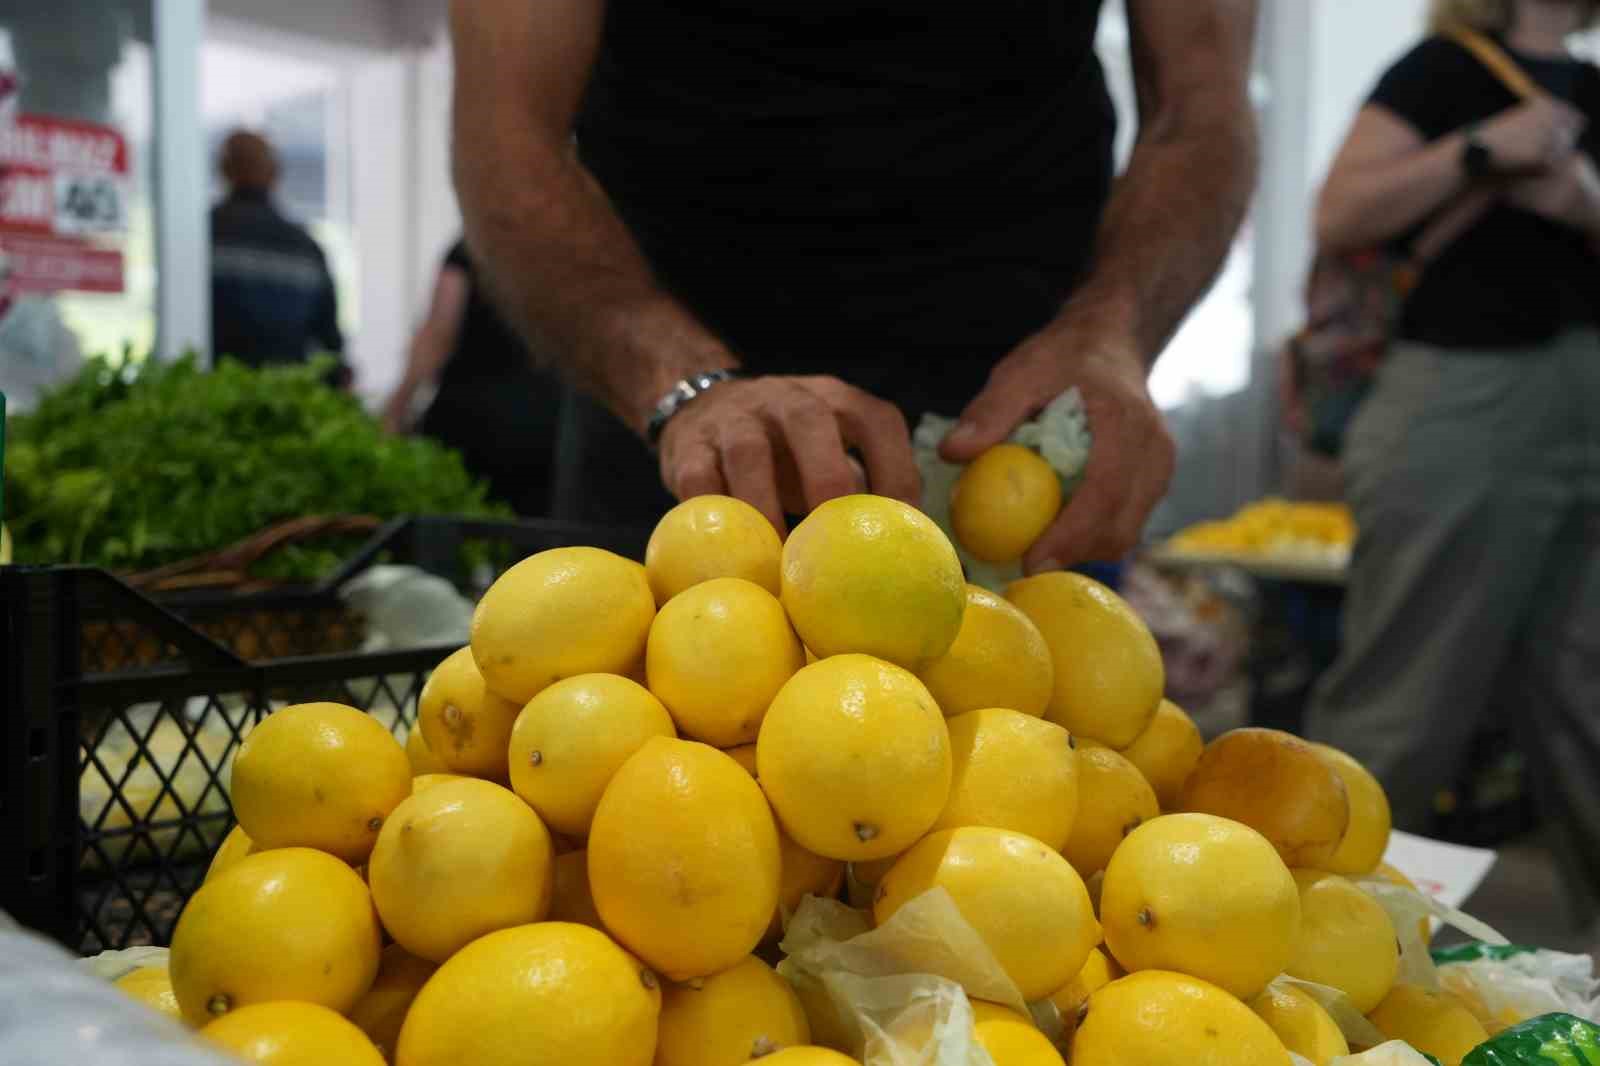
(272, 298)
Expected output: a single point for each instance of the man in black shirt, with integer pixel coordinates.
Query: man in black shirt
(872, 208)
(272, 298)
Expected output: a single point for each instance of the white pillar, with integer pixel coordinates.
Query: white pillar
(183, 254)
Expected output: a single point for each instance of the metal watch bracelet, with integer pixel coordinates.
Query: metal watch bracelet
(680, 394)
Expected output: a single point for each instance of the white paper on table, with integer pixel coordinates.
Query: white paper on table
(1449, 873)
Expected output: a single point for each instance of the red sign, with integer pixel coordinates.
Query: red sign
(61, 183)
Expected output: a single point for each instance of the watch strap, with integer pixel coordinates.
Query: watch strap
(679, 396)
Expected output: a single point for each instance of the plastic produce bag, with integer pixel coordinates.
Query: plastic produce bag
(1550, 1040)
(1408, 909)
(115, 965)
(1503, 985)
(407, 607)
(1394, 1053)
(1060, 433)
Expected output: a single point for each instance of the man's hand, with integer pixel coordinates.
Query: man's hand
(1130, 463)
(783, 444)
(1568, 194)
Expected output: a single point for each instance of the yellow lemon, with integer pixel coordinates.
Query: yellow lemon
(1023, 898)
(871, 873)
(423, 782)
(465, 726)
(1346, 940)
(1114, 799)
(1156, 1018)
(718, 653)
(235, 846)
(1431, 1022)
(683, 859)
(1108, 670)
(422, 760)
(999, 659)
(572, 737)
(1276, 784)
(382, 1010)
(288, 1033)
(554, 993)
(1201, 895)
(855, 757)
(457, 861)
(561, 613)
(1166, 752)
(1367, 838)
(808, 1056)
(873, 575)
(152, 986)
(743, 1013)
(1301, 1023)
(1388, 873)
(802, 874)
(745, 756)
(319, 775)
(1003, 501)
(708, 537)
(1099, 970)
(572, 901)
(1014, 772)
(1011, 1039)
(289, 923)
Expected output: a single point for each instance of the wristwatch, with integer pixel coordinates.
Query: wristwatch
(1476, 159)
(680, 394)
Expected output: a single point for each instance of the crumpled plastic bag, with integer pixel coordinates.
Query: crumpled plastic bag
(1407, 909)
(1357, 1030)
(407, 607)
(115, 965)
(1393, 1053)
(1060, 433)
(1506, 985)
(1550, 1040)
(895, 995)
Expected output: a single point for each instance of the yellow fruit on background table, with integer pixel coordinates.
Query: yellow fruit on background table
(1010, 1038)
(855, 757)
(1167, 752)
(1367, 837)
(561, 613)
(422, 760)
(1108, 670)
(683, 859)
(1276, 784)
(291, 923)
(1114, 799)
(465, 726)
(457, 861)
(1388, 873)
(1432, 1022)
(1301, 1023)
(1346, 940)
(318, 775)
(1003, 501)
(382, 1010)
(999, 659)
(235, 846)
(808, 1056)
(876, 576)
(1201, 895)
(423, 782)
(572, 901)
(554, 993)
(1099, 970)
(1025, 901)
(717, 654)
(1155, 1018)
(1010, 771)
(745, 756)
(287, 1033)
(572, 737)
(743, 1013)
(709, 537)
(152, 986)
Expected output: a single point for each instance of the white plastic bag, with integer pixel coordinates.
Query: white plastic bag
(1394, 1053)
(1502, 992)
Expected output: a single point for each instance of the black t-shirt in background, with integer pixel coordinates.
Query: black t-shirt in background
(1515, 279)
(894, 193)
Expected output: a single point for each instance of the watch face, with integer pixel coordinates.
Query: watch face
(1478, 160)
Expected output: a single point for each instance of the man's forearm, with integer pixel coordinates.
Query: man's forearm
(1170, 223)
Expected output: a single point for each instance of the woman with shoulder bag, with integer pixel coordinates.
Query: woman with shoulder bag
(1473, 467)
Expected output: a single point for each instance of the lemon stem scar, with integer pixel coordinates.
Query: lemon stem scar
(865, 831)
(535, 758)
(219, 1004)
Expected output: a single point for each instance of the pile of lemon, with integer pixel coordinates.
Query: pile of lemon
(1274, 528)
(632, 777)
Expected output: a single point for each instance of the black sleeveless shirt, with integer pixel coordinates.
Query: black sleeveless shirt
(892, 192)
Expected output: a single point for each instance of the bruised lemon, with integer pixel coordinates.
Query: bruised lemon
(708, 537)
(1014, 772)
(871, 575)
(465, 726)
(745, 1012)
(1167, 752)
(1003, 501)
(999, 659)
(558, 614)
(292, 1034)
(1114, 799)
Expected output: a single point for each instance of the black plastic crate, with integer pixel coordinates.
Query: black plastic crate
(122, 716)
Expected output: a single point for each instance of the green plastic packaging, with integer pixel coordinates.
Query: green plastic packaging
(1548, 1040)
(1475, 950)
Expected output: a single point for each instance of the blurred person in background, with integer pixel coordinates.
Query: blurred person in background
(1473, 468)
(491, 403)
(766, 236)
(272, 298)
